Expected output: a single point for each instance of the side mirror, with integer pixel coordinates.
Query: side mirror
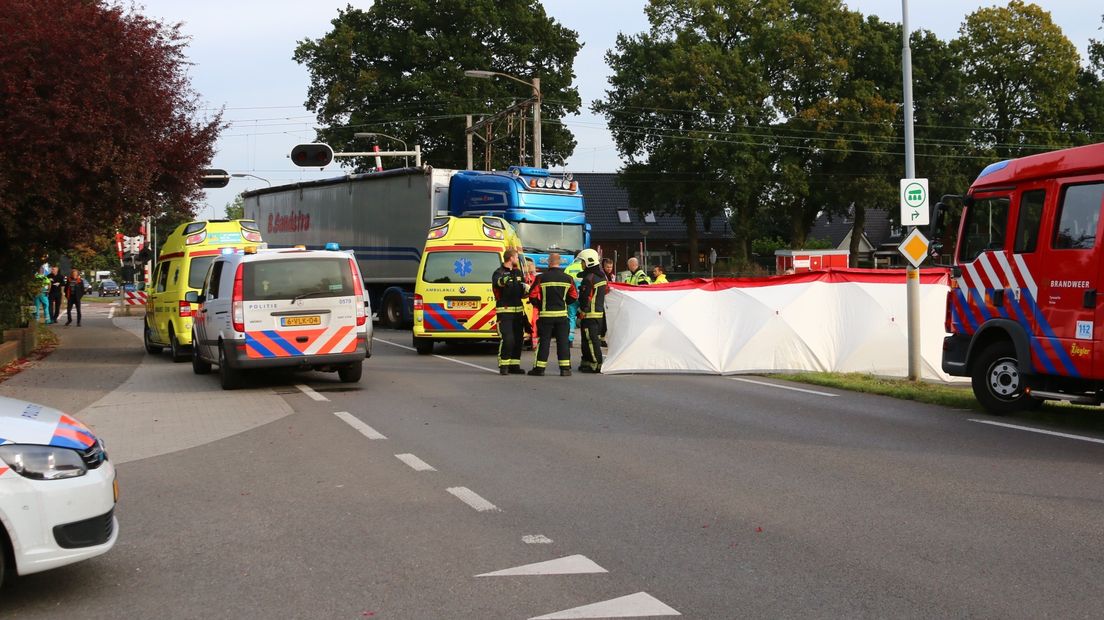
(193, 297)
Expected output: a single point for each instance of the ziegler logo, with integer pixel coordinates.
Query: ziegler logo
(1078, 351)
(296, 221)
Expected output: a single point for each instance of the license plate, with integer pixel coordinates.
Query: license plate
(298, 321)
(463, 305)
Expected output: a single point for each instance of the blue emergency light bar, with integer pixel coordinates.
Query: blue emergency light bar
(333, 245)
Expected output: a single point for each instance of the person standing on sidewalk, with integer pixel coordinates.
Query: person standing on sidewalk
(637, 277)
(508, 284)
(57, 287)
(42, 297)
(551, 293)
(592, 311)
(74, 291)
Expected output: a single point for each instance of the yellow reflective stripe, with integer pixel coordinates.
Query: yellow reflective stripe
(509, 309)
(551, 314)
(563, 284)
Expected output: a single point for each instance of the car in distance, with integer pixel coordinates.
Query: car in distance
(287, 308)
(109, 287)
(57, 490)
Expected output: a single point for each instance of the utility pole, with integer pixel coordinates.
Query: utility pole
(912, 274)
(537, 123)
(468, 139)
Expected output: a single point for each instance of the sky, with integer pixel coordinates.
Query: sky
(241, 55)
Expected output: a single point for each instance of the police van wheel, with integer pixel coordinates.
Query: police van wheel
(351, 373)
(179, 353)
(151, 348)
(229, 378)
(424, 346)
(200, 366)
(997, 381)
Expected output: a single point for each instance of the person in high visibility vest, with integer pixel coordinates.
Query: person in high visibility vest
(592, 311)
(508, 284)
(659, 275)
(551, 294)
(637, 277)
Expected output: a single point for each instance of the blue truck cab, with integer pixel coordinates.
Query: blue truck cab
(546, 211)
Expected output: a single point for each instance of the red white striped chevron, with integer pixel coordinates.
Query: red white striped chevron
(135, 298)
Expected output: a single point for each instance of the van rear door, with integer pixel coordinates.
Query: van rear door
(297, 306)
(462, 299)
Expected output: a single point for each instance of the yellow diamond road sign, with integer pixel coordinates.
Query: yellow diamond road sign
(915, 247)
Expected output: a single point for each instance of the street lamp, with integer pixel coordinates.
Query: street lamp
(535, 85)
(372, 134)
(242, 175)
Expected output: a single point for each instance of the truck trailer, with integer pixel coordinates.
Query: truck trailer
(384, 218)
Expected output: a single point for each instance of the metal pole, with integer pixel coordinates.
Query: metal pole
(912, 274)
(537, 124)
(468, 138)
(418, 155)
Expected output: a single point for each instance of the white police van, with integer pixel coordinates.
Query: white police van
(290, 308)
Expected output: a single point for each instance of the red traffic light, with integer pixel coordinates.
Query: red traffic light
(213, 178)
(314, 155)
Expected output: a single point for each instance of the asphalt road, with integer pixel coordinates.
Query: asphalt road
(706, 496)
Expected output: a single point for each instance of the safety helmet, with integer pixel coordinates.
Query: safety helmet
(589, 258)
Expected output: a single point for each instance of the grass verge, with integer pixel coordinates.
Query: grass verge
(1057, 414)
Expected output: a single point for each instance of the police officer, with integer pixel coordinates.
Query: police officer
(592, 311)
(637, 277)
(508, 283)
(552, 291)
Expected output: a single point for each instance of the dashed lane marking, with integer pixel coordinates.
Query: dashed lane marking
(636, 605)
(306, 389)
(1040, 431)
(355, 422)
(568, 565)
(471, 498)
(443, 357)
(783, 387)
(414, 462)
(536, 539)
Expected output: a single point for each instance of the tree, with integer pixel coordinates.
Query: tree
(1087, 118)
(398, 68)
(1019, 72)
(235, 209)
(99, 124)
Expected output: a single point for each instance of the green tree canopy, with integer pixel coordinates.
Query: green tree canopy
(398, 68)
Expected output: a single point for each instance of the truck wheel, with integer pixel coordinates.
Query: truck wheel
(151, 348)
(997, 382)
(179, 353)
(351, 373)
(392, 311)
(200, 366)
(424, 346)
(229, 378)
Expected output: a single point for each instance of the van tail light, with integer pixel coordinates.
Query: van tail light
(417, 302)
(237, 302)
(185, 309)
(196, 238)
(358, 291)
(251, 235)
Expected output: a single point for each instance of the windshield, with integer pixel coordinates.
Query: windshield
(460, 267)
(545, 237)
(197, 270)
(291, 278)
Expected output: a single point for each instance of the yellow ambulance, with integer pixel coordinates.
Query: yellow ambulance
(453, 298)
(181, 267)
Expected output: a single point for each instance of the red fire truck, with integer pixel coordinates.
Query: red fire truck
(1024, 313)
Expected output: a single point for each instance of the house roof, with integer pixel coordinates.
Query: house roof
(834, 228)
(604, 198)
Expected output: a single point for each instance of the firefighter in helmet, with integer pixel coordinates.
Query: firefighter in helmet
(592, 310)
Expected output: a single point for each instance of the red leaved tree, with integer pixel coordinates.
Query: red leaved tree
(99, 126)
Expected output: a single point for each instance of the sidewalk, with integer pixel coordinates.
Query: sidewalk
(141, 405)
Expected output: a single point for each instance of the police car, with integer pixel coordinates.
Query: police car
(290, 308)
(57, 490)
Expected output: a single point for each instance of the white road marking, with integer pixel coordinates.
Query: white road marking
(306, 389)
(472, 499)
(111, 312)
(414, 462)
(1039, 430)
(569, 565)
(536, 539)
(783, 387)
(355, 422)
(636, 605)
(443, 357)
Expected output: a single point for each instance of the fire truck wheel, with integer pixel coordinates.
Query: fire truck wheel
(997, 382)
